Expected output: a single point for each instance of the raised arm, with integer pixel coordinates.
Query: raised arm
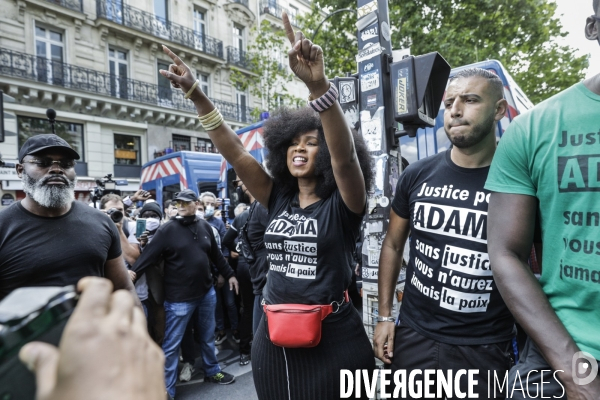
(511, 221)
(255, 178)
(306, 61)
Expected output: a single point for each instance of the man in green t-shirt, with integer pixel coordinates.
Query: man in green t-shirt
(548, 166)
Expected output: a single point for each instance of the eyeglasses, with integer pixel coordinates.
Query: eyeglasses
(181, 203)
(46, 162)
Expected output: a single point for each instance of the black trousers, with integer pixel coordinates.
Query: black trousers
(312, 373)
(247, 296)
(414, 351)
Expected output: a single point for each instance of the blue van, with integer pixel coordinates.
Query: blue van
(169, 174)
(431, 141)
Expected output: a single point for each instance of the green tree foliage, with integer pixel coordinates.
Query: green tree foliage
(268, 63)
(522, 34)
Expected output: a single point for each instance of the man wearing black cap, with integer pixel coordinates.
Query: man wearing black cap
(187, 246)
(48, 239)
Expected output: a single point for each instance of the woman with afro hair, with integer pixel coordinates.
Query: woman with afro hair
(316, 197)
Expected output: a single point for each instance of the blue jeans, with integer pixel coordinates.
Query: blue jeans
(228, 296)
(177, 316)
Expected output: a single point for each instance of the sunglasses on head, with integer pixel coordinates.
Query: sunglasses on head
(46, 162)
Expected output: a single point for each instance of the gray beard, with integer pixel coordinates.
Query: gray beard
(49, 196)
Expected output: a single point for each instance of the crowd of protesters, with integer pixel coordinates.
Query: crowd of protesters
(287, 258)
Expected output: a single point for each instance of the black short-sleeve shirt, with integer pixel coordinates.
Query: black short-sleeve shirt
(57, 251)
(309, 250)
(450, 294)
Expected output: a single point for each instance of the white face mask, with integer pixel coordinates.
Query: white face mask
(152, 224)
(200, 214)
(210, 211)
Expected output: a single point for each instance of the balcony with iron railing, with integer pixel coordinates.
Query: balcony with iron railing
(75, 5)
(271, 7)
(238, 57)
(242, 2)
(40, 69)
(143, 21)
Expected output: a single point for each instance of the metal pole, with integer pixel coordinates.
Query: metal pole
(377, 128)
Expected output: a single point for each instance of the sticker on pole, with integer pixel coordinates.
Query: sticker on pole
(402, 93)
(347, 92)
(385, 31)
(371, 128)
(369, 52)
(369, 81)
(367, 9)
(369, 33)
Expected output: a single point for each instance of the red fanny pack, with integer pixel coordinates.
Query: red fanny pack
(297, 325)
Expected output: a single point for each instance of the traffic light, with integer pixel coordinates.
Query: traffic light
(418, 85)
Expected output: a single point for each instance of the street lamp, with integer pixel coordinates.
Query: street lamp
(51, 114)
(331, 15)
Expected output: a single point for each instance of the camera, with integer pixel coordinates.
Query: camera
(115, 215)
(107, 185)
(28, 314)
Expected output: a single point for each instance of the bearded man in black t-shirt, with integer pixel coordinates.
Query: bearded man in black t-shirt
(452, 317)
(48, 238)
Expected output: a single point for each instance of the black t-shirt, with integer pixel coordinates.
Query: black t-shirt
(259, 219)
(187, 269)
(309, 250)
(450, 295)
(54, 251)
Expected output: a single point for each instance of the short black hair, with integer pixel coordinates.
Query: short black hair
(110, 197)
(493, 79)
(279, 132)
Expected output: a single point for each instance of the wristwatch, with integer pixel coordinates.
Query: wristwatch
(385, 319)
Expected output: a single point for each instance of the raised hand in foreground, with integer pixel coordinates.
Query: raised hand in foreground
(105, 351)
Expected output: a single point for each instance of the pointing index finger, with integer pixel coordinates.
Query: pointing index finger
(289, 31)
(173, 56)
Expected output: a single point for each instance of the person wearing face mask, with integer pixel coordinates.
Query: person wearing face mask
(187, 245)
(153, 214)
(224, 295)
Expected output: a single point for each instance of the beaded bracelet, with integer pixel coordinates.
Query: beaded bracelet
(326, 100)
(212, 120)
(189, 93)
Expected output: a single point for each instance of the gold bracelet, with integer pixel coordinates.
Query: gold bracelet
(212, 119)
(205, 118)
(214, 126)
(189, 93)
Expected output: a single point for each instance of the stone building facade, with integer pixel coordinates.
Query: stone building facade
(96, 63)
